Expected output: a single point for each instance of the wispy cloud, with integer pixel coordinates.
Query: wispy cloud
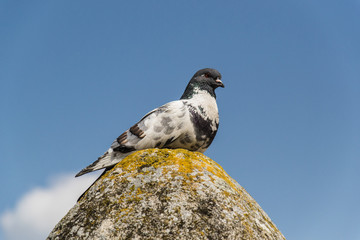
(39, 210)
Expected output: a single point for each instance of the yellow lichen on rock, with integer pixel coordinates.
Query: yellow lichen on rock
(166, 194)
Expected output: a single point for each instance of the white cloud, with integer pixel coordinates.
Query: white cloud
(39, 210)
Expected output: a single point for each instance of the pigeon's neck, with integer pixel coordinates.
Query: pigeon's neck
(194, 89)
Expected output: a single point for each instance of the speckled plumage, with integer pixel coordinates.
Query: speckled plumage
(190, 123)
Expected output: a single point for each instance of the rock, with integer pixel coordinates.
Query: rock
(166, 194)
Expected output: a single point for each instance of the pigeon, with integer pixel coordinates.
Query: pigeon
(190, 123)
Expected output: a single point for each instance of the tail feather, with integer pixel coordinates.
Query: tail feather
(104, 161)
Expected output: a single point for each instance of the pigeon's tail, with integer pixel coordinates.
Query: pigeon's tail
(104, 161)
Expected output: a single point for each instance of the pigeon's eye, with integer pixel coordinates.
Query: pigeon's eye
(207, 75)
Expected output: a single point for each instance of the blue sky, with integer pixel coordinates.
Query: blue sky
(76, 74)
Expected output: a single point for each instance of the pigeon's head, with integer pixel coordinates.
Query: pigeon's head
(207, 79)
(208, 76)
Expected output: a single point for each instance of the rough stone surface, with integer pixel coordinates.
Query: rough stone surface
(166, 194)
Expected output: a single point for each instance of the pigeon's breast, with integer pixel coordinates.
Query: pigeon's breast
(204, 117)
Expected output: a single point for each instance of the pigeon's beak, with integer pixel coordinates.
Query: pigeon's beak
(219, 82)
